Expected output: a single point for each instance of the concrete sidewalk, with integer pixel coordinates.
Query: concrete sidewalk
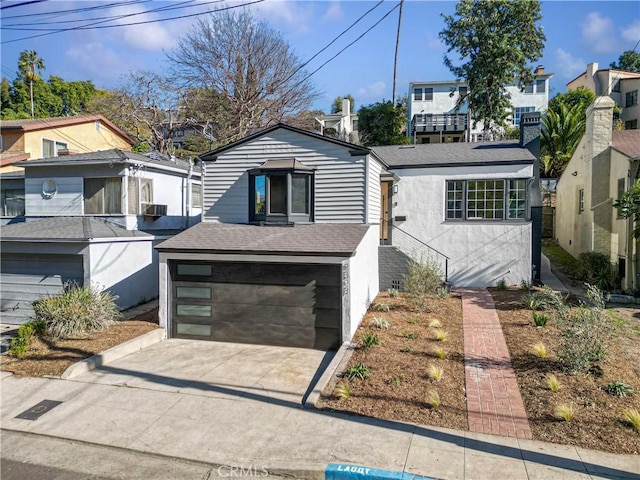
(254, 431)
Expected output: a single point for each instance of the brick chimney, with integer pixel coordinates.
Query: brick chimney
(539, 70)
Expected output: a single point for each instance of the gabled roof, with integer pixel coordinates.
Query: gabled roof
(327, 239)
(66, 229)
(354, 149)
(627, 142)
(32, 124)
(454, 154)
(110, 156)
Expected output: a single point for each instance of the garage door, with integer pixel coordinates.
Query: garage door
(268, 304)
(26, 277)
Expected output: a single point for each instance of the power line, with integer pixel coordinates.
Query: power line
(14, 5)
(85, 27)
(75, 10)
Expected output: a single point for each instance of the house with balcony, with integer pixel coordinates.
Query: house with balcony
(29, 139)
(92, 219)
(342, 125)
(620, 85)
(435, 115)
(300, 231)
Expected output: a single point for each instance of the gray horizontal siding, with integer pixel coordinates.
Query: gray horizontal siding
(339, 178)
(67, 201)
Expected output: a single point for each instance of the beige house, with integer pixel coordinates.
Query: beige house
(604, 166)
(622, 86)
(22, 140)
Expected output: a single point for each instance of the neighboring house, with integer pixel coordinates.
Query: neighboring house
(181, 133)
(434, 116)
(92, 218)
(289, 251)
(604, 165)
(622, 86)
(51, 137)
(342, 125)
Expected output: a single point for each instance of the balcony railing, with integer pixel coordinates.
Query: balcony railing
(438, 122)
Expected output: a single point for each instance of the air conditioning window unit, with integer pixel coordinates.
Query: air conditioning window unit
(153, 210)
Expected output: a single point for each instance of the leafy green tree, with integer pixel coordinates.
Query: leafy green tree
(495, 41)
(629, 206)
(629, 60)
(336, 106)
(560, 136)
(30, 66)
(582, 96)
(383, 124)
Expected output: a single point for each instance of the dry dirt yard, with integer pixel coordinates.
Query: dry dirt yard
(47, 356)
(399, 382)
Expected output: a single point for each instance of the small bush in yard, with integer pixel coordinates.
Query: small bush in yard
(410, 335)
(596, 269)
(553, 382)
(540, 319)
(435, 323)
(342, 390)
(395, 379)
(79, 310)
(435, 372)
(20, 343)
(525, 285)
(393, 293)
(440, 335)
(442, 292)
(433, 399)
(564, 412)
(381, 323)
(422, 280)
(631, 416)
(369, 340)
(539, 349)
(619, 389)
(440, 352)
(359, 370)
(382, 307)
(502, 284)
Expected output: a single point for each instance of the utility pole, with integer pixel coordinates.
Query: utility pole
(395, 60)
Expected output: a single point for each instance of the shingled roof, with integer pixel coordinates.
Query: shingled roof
(328, 239)
(454, 154)
(66, 229)
(627, 142)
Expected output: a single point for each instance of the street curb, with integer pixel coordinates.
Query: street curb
(330, 374)
(114, 353)
(345, 471)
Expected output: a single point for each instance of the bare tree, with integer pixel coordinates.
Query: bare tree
(249, 65)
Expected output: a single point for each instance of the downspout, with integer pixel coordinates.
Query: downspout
(188, 199)
(367, 159)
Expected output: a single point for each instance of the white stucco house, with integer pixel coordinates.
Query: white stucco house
(92, 219)
(301, 231)
(603, 167)
(434, 115)
(342, 125)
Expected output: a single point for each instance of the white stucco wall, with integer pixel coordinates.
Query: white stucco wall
(363, 280)
(481, 252)
(126, 268)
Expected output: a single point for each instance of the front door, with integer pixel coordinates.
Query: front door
(385, 211)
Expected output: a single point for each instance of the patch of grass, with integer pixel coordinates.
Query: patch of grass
(433, 399)
(442, 292)
(539, 349)
(440, 335)
(380, 322)
(342, 390)
(393, 293)
(560, 257)
(502, 284)
(435, 372)
(540, 319)
(395, 379)
(369, 340)
(525, 285)
(631, 416)
(414, 320)
(359, 371)
(534, 301)
(410, 335)
(440, 352)
(553, 382)
(619, 389)
(381, 307)
(435, 323)
(407, 349)
(564, 411)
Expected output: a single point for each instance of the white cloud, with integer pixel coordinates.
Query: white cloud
(374, 91)
(334, 12)
(598, 33)
(294, 15)
(96, 61)
(151, 37)
(632, 32)
(567, 65)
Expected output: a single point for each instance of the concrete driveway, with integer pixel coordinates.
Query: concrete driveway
(225, 370)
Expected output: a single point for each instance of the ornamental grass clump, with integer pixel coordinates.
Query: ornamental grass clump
(435, 372)
(76, 312)
(631, 416)
(342, 390)
(564, 412)
(433, 399)
(540, 350)
(553, 382)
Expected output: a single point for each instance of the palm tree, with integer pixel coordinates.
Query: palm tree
(28, 64)
(562, 131)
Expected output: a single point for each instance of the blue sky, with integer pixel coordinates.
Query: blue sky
(577, 33)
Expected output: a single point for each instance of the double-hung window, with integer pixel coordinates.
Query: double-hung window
(486, 199)
(50, 148)
(103, 196)
(631, 98)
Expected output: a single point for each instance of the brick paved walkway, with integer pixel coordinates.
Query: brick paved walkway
(494, 404)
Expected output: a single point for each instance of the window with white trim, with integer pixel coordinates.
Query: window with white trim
(487, 199)
(50, 148)
(518, 111)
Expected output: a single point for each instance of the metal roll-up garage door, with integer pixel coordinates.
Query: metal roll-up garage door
(26, 277)
(294, 305)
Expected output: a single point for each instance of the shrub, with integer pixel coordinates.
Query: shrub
(440, 335)
(423, 279)
(395, 379)
(393, 293)
(502, 284)
(410, 335)
(435, 323)
(564, 412)
(79, 310)
(631, 416)
(359, 370)
(619, 389)
(369, 340)
(435, 372)
(540, 319)
(534, 301)
(381, 307)
(440, 352)
(442, 292)
(553, 382)
(20, 343)
(539, 349)
(380, 322)
(596, 269)
(525, 285)
(342, 390)
(433, 399)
